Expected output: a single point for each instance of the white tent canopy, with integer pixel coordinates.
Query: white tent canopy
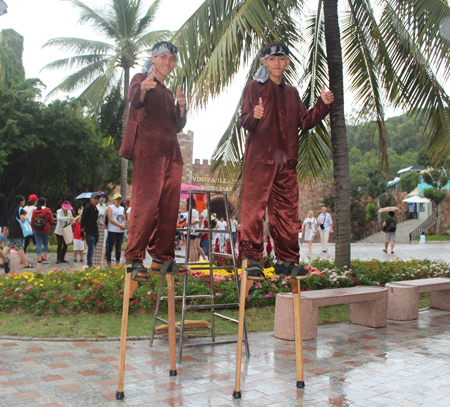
(416, 199)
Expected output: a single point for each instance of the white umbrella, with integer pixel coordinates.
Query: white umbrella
(388, 209)
(416, 199)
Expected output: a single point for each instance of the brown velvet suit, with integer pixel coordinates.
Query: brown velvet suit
(150, 141)
(270, 177)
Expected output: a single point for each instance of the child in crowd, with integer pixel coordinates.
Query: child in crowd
(78, 241)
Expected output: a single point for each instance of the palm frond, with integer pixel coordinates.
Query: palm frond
(81, 78)
(79, 45)
(99, 22)
(148, 18)
(80, 60)
(412, 83)
(428, 23)
(221, 36)
(315, 144)
(124, 15)
(360, 55)
(148, 40)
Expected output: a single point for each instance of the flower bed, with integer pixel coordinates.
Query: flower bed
(101, 290)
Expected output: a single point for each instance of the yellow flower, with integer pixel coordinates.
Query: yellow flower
(50, 272)
(122, 276)
(1, 283)
(36, 283)
(42, 285)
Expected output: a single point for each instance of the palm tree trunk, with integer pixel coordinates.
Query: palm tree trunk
(338, 134)
(124, 161)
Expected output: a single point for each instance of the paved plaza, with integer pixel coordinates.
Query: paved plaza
(404, 364)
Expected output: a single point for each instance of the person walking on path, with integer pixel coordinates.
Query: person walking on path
(41, 221)
(29, 208)
(150, 141)
(389, 227)
(89, 227)
(273, 113)
(221, 225)
(116, 228)
(325, 227)
(4, 232)
(16, 238)
(233, 225)
(100, 248)
(309, 229)
(63, 218)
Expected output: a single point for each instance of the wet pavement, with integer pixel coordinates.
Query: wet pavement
(405, 364)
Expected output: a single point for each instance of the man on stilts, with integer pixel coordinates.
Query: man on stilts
(150, 141)
(272, 113)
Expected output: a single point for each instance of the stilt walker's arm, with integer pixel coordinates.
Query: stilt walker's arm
(245, 287)
(128, 291)
(295, 288)
(171, 318)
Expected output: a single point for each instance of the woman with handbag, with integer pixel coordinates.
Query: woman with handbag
(41, 221)
(17, 223)
(64, 218)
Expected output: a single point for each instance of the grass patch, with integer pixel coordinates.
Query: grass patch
(93, 325)
(435, 238)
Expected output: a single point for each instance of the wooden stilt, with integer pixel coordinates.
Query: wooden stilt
(128, 291)
(243, 295)
(295, 288)
(171, 318)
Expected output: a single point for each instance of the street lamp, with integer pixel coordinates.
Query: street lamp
(3, 7)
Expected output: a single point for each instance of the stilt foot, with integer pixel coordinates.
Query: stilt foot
(173, 373)
(120, 395)
(300, 385)
(237, 394)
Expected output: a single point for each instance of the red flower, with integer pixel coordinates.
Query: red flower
(90, 298)
(51, 302)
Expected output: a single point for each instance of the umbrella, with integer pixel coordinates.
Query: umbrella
(388, 209)
(416, 199)
(84, 195)
(185, 187)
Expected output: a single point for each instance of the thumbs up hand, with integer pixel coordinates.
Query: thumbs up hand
(327, 97)
(258, 111)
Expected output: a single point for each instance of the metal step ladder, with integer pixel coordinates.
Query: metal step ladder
(203, 266)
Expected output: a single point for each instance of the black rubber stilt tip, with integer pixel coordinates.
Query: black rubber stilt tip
(173, 373)
(300, 385)
(120, 395)
(237, 394)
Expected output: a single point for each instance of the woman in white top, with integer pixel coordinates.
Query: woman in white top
(116, 228)
(63, 217)
(309, 229)
(193, 253)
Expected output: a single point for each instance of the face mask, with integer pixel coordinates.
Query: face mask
(102, 200)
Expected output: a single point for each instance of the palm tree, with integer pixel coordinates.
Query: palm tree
(104, 65)
(395, 58)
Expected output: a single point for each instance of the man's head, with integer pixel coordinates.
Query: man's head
(324, 210)
(391, 214)
(275, 61)
(221, 218)
(95, 197)
(164, 58)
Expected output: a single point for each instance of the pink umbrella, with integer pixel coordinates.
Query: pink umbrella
(187, 187)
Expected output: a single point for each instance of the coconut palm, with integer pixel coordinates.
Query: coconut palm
(396, 57)
(124, 24)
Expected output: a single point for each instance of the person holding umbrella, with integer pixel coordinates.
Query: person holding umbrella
(389, 228)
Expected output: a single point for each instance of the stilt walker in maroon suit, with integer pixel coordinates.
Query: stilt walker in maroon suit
(150, 141)
(273, 113)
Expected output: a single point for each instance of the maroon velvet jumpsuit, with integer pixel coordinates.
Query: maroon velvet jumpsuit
(150, 141)
(270, 177)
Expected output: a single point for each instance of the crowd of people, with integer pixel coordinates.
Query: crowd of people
(95, 229)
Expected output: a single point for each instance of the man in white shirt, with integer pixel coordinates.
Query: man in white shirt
(234, 224)
(325, 227)
(221, 225)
